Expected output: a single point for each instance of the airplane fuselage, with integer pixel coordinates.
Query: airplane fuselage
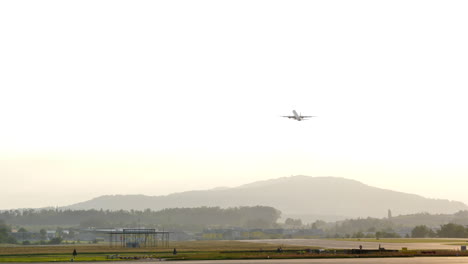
(297, 116)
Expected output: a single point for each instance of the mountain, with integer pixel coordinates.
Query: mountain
(308, 198)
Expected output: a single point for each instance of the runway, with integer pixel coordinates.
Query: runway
(338, 244)
(419, 260)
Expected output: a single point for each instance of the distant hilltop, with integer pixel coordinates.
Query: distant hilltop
(309, 198)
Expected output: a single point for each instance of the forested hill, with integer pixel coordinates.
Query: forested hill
(308, 197)
(400, 224)
(176, 218)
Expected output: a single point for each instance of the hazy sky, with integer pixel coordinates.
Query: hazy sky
(155, 97)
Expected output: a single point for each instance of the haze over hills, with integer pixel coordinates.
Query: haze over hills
(308, 198)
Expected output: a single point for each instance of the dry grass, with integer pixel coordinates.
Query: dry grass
(102, 248)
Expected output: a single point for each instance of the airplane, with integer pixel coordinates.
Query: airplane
(298, 117)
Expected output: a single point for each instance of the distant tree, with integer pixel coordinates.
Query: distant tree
(43, 234)
(4, 229)
(293, 222)
(421, 231)
(59, 231)
(4, 234)
(95, 222)
(256, 223)
(298, 223)
(461, 214)
(386, 234)
(452, 230)
(70, 235)
(319, 224)
(358, 234)
(55, 241)
(22, 229)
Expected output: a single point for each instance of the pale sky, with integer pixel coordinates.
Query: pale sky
(156, 97)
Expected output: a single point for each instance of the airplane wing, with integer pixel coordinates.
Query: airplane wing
(289, 116)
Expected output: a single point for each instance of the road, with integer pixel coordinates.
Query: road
(328, 243)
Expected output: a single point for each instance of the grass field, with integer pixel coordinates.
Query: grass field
(209, 245)
(102, 252)
(195, 250)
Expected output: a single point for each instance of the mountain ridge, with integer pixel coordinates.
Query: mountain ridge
(334, 197)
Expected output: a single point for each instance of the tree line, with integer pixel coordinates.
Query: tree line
(197, 219)
(448, 230)
(176, 218)
(4, 233)
(429, 225)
